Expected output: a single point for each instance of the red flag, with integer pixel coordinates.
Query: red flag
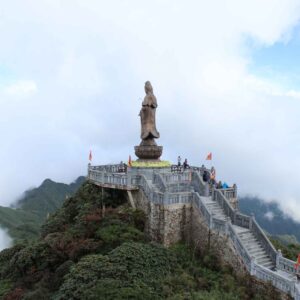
(129, 161)
(209, 156)
(90, 156)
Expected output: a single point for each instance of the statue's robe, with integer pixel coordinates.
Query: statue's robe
(147, 115)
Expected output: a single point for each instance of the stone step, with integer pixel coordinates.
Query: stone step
(212, 204)
(250, 242)
(255, 250)
(253, 246)
(257, 253)
(215, 208)
(263, 260)
(219, 216)
(268, 265)
(261, 255)
(246, 234)
(217, 211)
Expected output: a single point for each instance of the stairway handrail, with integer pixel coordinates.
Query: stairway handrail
(238, 242)
(266, 243)
(218, 196)
(197, 178)
(203, 209)
(161, 181)
(287, 265)
(277, 279)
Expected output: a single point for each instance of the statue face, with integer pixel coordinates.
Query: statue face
(148, 87)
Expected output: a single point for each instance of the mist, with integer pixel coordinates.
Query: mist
(5, 239)
(72, 76)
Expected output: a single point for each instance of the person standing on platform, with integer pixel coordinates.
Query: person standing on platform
(179, 161)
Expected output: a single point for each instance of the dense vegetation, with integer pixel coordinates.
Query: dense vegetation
(95, 247)
(24, 220)
(289, 250)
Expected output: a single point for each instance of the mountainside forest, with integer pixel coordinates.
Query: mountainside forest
(24, 219)
(96, 248)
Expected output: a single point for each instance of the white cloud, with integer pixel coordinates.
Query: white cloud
(269, 215)
(5, 240)
(21, 88)
(88, 61)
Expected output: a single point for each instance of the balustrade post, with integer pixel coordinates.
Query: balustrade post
(251, 221)
(234, 190)
(278, 256)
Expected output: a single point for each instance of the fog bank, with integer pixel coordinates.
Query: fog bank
(5, 239)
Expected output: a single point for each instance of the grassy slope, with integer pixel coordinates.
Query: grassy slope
(25, 219)
(86, 252)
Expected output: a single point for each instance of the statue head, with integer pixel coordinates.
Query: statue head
(148, 87)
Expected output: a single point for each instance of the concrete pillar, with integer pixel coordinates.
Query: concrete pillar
(131, 199)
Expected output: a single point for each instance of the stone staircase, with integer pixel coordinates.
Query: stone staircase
(248, 239)
(253, 246)
(214, 208)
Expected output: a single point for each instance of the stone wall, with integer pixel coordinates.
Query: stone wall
(166, 224)
(172, 223)
(204, 239)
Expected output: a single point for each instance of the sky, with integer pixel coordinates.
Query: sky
(225, 73)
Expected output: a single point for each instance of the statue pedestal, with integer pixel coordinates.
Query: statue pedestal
(148, 150)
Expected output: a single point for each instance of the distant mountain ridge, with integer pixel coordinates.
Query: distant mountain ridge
(24, 218)
(271, 218)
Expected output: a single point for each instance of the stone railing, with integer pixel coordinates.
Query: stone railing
(229, 193)
(152, 196)
(224, 203)
(199, 185)
(203, 209)
(264, 241)
(282, 283)
(286, 265)
(219, 225)
(242, 220)
(159, 181)
(116, 168)
(103, 177)
(170, 178)
(199, 170)
(239, 247)
(178, 198)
